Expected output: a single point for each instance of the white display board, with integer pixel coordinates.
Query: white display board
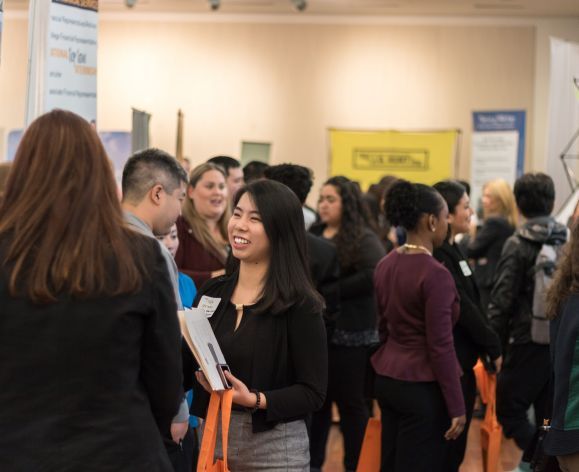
(494, 156)
(498, 148)
(63, 57)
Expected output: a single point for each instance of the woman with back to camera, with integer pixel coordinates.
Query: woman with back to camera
(345, 223)
(500, 220)
(562, 439)
(89, 337)
(202, 229)
(473, 336)
(268, 322)
(418, 375)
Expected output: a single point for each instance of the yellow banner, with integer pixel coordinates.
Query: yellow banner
(419, 156)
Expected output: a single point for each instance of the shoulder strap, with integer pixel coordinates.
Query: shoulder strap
(207, 450)
(226, 401)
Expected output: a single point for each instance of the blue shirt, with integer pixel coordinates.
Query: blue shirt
(187, 290)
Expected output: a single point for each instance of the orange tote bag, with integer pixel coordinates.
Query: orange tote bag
(206, 461)
(491, 432)
(371, 448)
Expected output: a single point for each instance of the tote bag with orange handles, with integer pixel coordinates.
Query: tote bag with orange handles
(206, 461)
(491, 431)
(371, 447)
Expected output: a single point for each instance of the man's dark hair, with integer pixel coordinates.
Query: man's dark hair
(535, 194)
(147, 168)
(225, 162)
(297, 178)
(254, 170)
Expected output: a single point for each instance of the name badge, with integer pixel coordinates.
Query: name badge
(208, 305)
(465, 268)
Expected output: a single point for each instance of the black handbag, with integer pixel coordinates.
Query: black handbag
(535, 454)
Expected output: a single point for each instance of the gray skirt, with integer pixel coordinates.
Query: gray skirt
(284, 448)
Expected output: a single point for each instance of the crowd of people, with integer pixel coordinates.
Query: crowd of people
(391, 295)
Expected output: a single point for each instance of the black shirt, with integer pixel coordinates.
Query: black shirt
(284, 356)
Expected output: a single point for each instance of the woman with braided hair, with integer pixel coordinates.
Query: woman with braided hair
(345, 223)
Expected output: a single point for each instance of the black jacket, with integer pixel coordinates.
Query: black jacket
(511, 303)
(356, 285)
(325, 272)
(486, 249)
(89, 384)
(563, 437)
(289, 360)
(473, 336)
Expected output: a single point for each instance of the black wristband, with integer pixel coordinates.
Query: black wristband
(257, 401)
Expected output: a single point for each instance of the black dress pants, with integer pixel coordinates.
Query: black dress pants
(455, 450)
(347, 373)
(414, 420)
(522, 383)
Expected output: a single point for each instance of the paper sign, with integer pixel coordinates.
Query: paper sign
(201, 340)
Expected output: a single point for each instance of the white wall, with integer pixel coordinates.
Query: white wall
(286, 82)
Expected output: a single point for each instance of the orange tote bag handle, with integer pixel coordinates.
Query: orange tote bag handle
(371, 447)
(207, 451)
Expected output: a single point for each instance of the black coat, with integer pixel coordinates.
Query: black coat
(356, 284)
(511, 303)
(473, 336)
(325, 272)
(486, 250)
(89, 384)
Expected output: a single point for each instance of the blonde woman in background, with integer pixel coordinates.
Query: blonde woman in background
(202, 228)
(500, 220)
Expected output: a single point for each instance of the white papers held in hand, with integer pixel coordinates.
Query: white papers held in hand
(201, 340)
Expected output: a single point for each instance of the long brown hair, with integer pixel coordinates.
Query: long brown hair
(566, 280)
(196, 222)
(60, 219)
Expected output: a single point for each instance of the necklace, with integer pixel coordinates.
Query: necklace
(417, 247)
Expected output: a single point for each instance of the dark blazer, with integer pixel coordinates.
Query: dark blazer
(357, 305)
(325, 271)
(90, 384)
(192, 258)
(486, 249)
(473, 336)
(563, 437)
(289, 359)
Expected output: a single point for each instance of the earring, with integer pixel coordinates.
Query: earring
(433, 229)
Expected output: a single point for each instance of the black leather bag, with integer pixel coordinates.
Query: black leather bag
(535, 454)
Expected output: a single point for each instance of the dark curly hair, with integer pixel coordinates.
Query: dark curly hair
(355, 217)
(405, 202)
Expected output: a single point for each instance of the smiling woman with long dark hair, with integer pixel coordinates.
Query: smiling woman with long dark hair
(89, 337)
(268, 322)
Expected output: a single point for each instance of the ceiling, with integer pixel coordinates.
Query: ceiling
(486, 8)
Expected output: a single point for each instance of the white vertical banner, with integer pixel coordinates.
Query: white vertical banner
(563, 115)
(498, 148)
(62, 67)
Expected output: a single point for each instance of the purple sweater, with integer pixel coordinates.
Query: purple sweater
(417, 309)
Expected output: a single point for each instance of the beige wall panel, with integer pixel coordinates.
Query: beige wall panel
(287, 83)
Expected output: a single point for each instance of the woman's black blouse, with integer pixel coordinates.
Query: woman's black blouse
(284, 356)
